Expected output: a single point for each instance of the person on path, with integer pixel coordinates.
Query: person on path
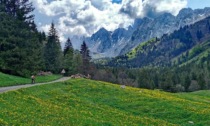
(32, 79)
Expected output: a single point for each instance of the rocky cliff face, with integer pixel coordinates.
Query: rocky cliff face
(110, 44)
(101, 40)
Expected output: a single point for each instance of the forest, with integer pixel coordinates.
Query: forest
(187, 78)
(25, 51)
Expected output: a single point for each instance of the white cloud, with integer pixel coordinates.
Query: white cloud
(134, 8)
(45, 28)
(170, 6)
(84, 17)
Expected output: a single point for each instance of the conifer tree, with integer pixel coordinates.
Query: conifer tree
(68, 57)
(52, 51)
(85, 52)
(19, 43)
(77, 62)
(42, 36)
(19, 9)
(68, 46)
(85, 58)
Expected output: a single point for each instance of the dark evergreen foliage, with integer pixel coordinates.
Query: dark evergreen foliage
(18, 9)
(77, 62)
(199, 34)
(42, 36)
(69, 58)
(85, 51)
(20, 48)
(191, 77)
(68, 46)
(52, 51)
(85, 58)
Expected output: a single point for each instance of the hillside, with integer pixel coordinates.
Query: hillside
(10, 80)
(177, 48)
(197, 54)
(87, 102)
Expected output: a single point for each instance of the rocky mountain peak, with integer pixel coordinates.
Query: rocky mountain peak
(120, 41)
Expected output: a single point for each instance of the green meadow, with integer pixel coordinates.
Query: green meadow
(88, 102)
(10, 80)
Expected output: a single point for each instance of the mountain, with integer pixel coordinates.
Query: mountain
(102, 40)
(105, 43)
(121, 41)
(188, 44)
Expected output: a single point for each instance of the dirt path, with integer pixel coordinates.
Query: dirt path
(11, 88)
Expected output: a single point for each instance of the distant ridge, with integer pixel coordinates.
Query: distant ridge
(110, 44)
(182, 46)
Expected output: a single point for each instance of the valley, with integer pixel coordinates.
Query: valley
(104, 63)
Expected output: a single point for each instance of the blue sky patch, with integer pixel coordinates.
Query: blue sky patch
(116, 1)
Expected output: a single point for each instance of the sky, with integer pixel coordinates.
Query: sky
(194, 4)
(85, 17)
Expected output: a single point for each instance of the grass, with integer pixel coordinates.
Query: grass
(141, 48)
(196, 54)
(87, 102)
(48, 78)
(9, 80)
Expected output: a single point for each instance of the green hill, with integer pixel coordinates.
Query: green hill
(10, 80)
(87, 102)
(198, 54)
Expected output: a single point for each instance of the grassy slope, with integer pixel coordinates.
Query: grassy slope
(9, 80)
(86, 102)
(196, 53)
(140, 48)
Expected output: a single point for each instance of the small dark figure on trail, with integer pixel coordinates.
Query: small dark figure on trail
(32, 79)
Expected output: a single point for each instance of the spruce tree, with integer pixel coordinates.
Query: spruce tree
(68, 57)
(18, 9)
(19, 43)
(85, 58)
(85, 52)
(53, 52)
(77, 62)
(68, 46)
(42, 36)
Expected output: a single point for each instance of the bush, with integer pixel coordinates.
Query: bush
(178, 88)
(194, 86)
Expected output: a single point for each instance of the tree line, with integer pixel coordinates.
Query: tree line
(186, 78)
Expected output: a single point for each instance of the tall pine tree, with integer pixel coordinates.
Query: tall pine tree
(52, 52)
(68, 46)
(85, 58)
(19, 44)
(77, 62)
(68, 57)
